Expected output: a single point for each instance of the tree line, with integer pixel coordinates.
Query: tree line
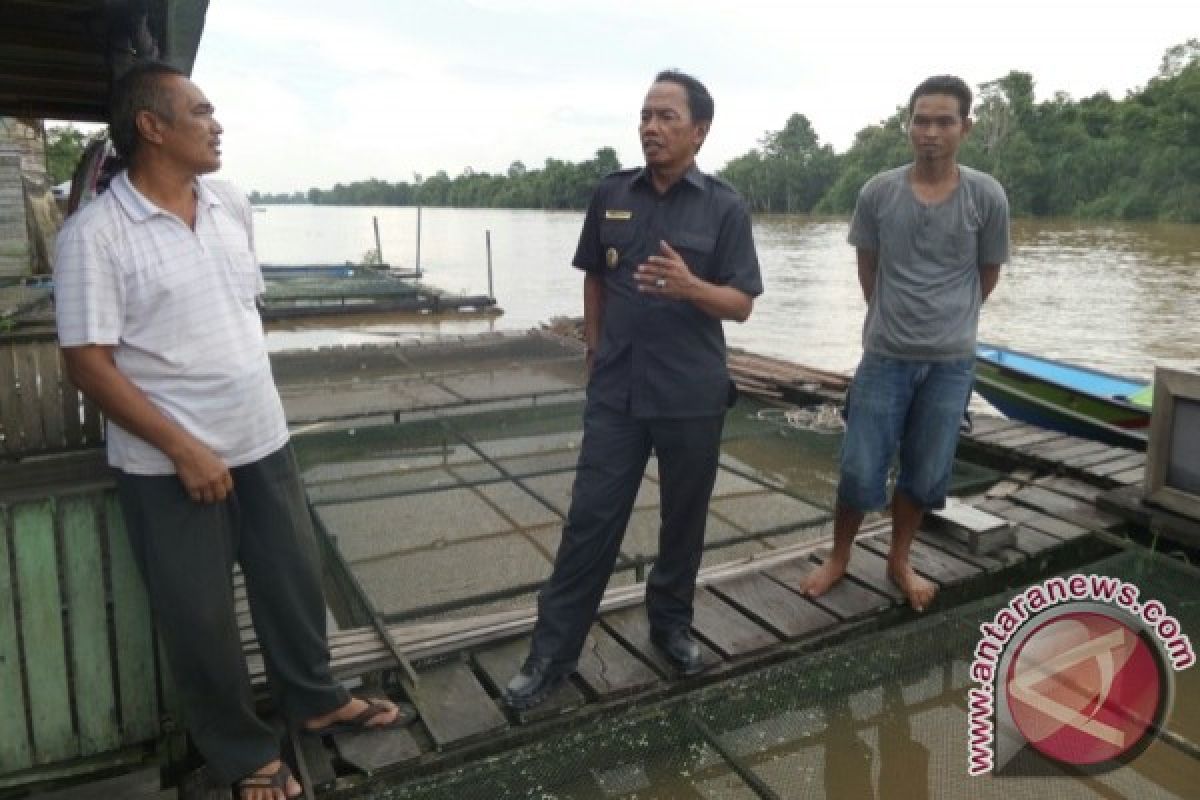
(557, 185)
(1136, 158)
(1097, 157)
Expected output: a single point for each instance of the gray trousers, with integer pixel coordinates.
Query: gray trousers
(186, 552)
(612, 460)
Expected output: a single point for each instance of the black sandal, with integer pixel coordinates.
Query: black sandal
(276, 780)
(360, 723)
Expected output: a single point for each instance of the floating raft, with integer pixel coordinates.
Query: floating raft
(308, 291)
(747, 614)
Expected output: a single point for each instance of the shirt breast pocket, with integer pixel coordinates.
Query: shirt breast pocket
(697, 251)
(617, 236)
(244, 276)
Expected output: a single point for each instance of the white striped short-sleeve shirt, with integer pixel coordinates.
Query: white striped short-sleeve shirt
(179, 306)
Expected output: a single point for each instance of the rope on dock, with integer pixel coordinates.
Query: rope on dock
(823, 419)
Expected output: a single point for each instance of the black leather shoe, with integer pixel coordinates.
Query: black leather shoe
(533, 684)
(680, 649)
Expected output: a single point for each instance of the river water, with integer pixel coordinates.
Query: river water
(1117, 296)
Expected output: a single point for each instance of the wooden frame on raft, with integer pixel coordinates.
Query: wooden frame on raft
(1173, 454)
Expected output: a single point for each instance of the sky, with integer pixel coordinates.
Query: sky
(315, 93)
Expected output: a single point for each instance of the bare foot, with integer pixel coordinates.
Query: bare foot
(919, 591)
(351, 710)
(822, 579)
(290, 791)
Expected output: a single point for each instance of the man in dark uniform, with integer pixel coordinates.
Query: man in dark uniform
(668, 254)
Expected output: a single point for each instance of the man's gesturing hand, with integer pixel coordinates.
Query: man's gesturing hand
(666, 275)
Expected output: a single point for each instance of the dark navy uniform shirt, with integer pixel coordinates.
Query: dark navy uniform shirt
(659, 357)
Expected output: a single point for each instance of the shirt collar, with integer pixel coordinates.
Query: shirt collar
(140, 208)
(693, 176)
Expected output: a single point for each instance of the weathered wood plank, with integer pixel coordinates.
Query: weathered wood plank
(134, 633)
(1090, 460)
(1060, 529)
(940, 567)
(72, 413)
(93, 423)
(1070, 487)
(780, 610)
(1034, 542)
(87, 606)
(16, 750)
(38, 589)
(1067, 508)
(1026, 440)
(631, 628)
(1129, 462)
(317, 759)
(731, 633)
(609, 670)
(500, 662)
(454, 707)
(10, 405)
(984, 423)
(1000, 436)
(1068, 448)
(33, 435)
(371, 752)
(846, 599)
(1136, 475)
(992, 562)
(50, 393)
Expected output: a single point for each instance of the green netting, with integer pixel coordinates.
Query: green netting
(881, 717)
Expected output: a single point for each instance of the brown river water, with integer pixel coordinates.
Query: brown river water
(1117, 296)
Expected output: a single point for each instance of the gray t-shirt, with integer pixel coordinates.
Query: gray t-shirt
(927, 289)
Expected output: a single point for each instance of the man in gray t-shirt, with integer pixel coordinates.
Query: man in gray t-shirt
(930, 237)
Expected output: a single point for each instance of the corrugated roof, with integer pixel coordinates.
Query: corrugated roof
(58, 57)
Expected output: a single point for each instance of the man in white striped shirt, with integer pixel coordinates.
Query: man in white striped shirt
(155, 286)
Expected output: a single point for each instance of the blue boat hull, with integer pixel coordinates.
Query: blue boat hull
(1062, 397)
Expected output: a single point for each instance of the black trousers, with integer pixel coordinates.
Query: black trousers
(186, 552)
(612, 461)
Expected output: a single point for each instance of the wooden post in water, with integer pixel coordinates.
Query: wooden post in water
(378, 246)
(418, 241)
(487, 238)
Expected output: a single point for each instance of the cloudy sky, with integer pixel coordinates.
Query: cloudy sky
(315, 92)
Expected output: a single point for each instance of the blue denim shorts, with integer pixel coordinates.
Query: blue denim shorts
(915, 407)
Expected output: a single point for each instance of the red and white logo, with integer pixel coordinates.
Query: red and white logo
(1076, 669)
(1085, 688)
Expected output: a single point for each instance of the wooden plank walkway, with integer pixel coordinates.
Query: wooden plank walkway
(1012, 443)
(749, 613)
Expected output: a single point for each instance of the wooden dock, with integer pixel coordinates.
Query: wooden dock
(748, 614)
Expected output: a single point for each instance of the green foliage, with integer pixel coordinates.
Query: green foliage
(1135, 158)
(791, 172)
(559, 184)
(64, 146)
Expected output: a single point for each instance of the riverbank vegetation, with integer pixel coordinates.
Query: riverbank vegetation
(1096, 157)
(1135, 158)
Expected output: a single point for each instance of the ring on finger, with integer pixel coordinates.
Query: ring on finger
(661, 283)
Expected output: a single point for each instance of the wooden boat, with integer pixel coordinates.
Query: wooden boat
(1064, 397)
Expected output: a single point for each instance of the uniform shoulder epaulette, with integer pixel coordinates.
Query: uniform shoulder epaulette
(621, 172)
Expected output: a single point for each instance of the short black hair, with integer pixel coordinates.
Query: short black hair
(139, 89)
(944, 84)
(700, 102)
